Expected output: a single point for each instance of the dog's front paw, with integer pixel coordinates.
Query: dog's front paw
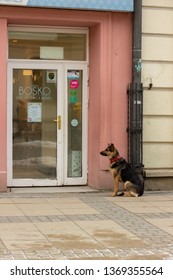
(114, 194)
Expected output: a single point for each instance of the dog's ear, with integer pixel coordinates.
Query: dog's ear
(112, 147)
(108, 146)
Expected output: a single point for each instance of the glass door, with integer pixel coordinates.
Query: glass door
(36, 125)
(34, 129)
(47, 124)
(76, 128)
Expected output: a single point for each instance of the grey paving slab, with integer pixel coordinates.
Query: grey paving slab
(85, 225)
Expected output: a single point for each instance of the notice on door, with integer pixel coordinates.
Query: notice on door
(34, 112)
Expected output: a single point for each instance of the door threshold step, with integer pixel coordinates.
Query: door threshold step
(61, 189)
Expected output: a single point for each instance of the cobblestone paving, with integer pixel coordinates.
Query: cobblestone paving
(134, 223)
(159, 243)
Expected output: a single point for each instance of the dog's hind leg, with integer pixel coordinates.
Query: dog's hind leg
(134, 194)
(127, 194)
(130, 189)
(130, 194)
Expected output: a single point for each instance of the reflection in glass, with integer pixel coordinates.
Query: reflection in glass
(26, 45)
(34, 131)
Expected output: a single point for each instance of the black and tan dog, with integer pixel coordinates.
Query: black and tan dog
(122, 171)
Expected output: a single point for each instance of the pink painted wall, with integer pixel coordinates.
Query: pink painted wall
(110, 72)
(111, 50)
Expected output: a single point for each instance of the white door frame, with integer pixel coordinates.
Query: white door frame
(62, 101)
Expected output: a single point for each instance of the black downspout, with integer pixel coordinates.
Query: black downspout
(137, 41)
(135, 93)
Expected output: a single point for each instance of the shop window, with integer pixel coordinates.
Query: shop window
(47, 45)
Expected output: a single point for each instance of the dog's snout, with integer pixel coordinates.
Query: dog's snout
(103, 153)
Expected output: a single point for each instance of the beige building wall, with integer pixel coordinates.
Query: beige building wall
(157, 68)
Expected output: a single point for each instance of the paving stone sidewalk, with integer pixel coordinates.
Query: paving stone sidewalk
(85, 225)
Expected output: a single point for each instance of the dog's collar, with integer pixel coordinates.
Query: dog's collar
(114, 159)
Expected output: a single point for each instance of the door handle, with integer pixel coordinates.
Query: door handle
(58, 121)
